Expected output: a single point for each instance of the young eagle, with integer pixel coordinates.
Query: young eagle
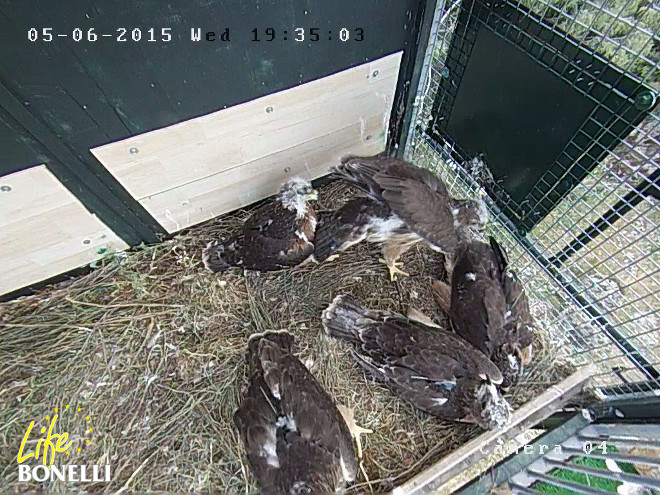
(277, 235)
(488, 307)
(295, 437)
(406, 204)
(431, 368)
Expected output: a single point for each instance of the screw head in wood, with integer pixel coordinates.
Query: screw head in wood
(269, 109)
(86, 241)
(133, 151)
(375, 73)
(5, 188)
(287, 170)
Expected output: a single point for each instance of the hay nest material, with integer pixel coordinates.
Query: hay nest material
(150, 347)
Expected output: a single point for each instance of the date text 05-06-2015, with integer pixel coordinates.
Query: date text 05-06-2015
(49, 34)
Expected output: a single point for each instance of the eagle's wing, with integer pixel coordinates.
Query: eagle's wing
(436, 354)
(256, 420)
(414, 194)
(489, 307)
(426, 211)
(423, 366)
(317, 419)
(313, 467)
(274, 237)
(478, 306)
(519, 317)
(516, 300)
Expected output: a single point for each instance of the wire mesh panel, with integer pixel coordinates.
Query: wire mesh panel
(543, 109)
(585, 237)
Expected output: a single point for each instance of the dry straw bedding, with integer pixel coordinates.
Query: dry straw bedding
(151, 346)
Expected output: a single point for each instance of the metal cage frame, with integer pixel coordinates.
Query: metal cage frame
(595, 433)
(591, 262)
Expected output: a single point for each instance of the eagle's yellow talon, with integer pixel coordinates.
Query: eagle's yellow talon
(394, 269)
(356, 431)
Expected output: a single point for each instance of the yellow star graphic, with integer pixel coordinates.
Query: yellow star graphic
(90, 429)
(87, 418)
(67, 406)
(47, 417)
(79, 409)
(67, 452)
(55, 409)
(78, 449)
(87, 441)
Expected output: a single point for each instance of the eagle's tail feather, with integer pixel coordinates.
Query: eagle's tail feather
(341, 318)
(220, 256)
(442, 294)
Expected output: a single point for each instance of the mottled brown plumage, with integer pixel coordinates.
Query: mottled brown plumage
(432, 368)
(420, 206)
(277, 235)
(295, 438)
(358, 220)
(489, 308)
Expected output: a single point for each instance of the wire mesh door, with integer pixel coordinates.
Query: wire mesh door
(584, 234)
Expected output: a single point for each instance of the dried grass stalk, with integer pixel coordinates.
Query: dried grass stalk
(151, 346)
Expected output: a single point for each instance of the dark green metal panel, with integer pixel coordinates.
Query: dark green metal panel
(132, 87)
(15, 146)
(88, 180)
(64, 97)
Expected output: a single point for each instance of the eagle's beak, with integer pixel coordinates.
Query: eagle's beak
(313, 196)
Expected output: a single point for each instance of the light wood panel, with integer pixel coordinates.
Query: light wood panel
(45, 230)
(194, 170)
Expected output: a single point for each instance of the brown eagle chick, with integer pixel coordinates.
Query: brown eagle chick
(277, 235)
(408, 204)
(431, 368)
(295, 437)
(488, 307)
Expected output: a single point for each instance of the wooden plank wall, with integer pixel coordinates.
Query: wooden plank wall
(195, 170)
(45, 230)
